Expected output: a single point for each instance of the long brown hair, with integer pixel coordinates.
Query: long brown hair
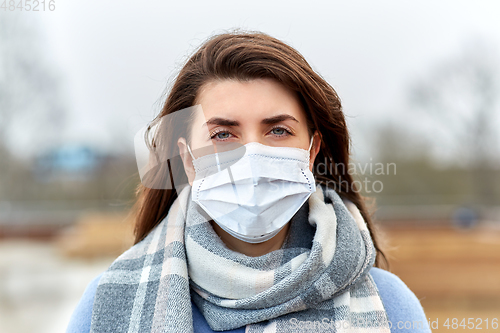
(245, 56)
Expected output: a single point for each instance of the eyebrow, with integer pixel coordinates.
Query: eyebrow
(266, 121)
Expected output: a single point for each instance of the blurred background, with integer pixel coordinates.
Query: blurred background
(419, 82)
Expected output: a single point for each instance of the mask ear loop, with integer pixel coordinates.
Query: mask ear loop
(310, 145)
(190, 152)
(216, 156)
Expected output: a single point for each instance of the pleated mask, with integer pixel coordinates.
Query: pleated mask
(253, 191)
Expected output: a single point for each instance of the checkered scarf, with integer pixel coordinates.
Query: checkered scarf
(318, 281)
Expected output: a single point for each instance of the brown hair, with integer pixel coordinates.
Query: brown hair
(245, 56)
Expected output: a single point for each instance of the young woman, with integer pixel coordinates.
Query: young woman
(245, 232)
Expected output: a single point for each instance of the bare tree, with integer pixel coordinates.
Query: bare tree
(30, 87)
(461, 96)
(32, 105)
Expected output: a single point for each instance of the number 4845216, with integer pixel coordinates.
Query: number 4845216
(472, 323)
(28, 5)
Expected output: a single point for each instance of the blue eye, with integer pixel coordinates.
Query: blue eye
(280, 131)
(221, 135)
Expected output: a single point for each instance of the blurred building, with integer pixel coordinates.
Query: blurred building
(68, 162)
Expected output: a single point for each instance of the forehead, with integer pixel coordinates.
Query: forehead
(249, 100)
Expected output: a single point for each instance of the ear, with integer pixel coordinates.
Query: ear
(187, 160)
(316, 145)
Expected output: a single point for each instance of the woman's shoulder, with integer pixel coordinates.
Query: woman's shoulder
(80, 320)
(387, 280)
(400, 303)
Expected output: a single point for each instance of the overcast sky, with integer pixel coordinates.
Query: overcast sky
(116, 56)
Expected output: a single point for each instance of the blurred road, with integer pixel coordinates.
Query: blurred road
(40, 287)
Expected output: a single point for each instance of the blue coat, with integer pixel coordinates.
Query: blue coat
(401, 305)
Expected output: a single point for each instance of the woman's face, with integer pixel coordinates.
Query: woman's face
(260, 110)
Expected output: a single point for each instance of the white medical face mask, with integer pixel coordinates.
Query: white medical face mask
(253, 191)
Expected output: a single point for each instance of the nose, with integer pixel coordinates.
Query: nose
(251, 137)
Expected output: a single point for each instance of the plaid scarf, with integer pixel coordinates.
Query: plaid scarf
(318, 281)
